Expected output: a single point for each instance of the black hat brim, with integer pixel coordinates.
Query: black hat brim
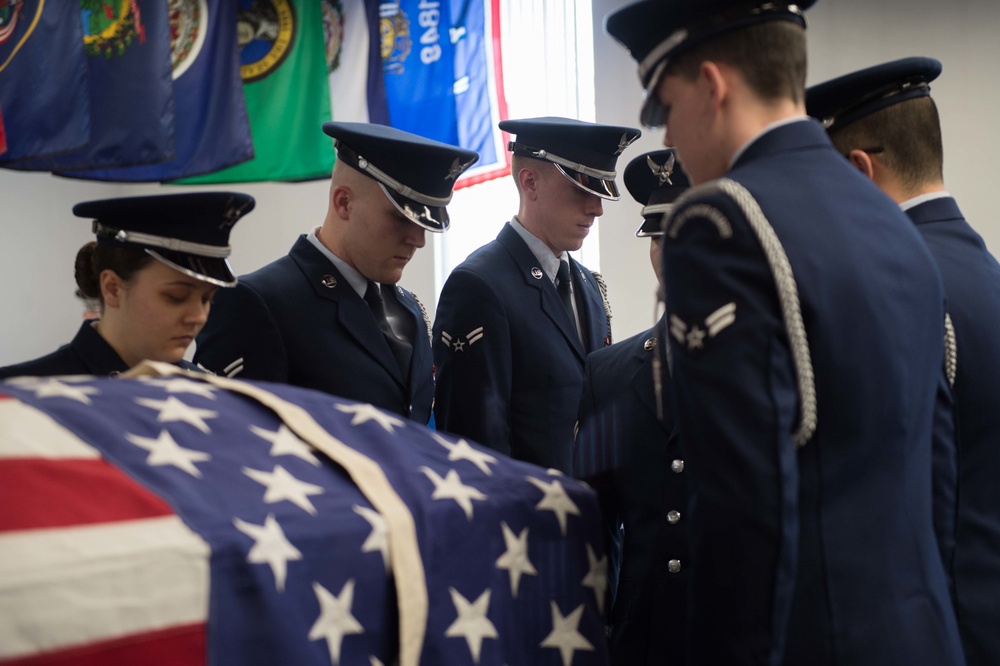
(599, 187)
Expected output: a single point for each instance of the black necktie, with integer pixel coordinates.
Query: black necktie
(401, 349)
(563, 286)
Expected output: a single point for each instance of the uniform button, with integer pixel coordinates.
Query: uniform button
(674, 517)
(677, 466)
(674, 566)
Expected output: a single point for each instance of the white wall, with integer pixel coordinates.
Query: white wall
(41, 236)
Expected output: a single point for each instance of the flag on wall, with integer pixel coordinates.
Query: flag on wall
(211, 127)
(443, 78)
(201, 520)
(283, 66)
(127, 46)
(43, 99)
(354, 60)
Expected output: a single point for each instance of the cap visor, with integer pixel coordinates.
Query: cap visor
(605, 189)
(432, 218)
(652, 225)
(207, 269)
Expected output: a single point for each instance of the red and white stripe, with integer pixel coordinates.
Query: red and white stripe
(94, 568)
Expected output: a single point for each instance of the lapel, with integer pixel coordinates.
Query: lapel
(642, 377)
(535, 279)
(590, 304)
(350, 310)
(935, 210)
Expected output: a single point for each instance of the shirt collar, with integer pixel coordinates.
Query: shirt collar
(542, 252)
(357, 281)
(923, 198)
(773, 126)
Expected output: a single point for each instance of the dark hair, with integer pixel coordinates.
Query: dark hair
(909, 136)
(771, 57)
(93, 259)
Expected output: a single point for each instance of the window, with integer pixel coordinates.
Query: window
(548, 70)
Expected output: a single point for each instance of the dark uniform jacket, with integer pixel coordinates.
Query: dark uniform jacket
(630, 457)
(823, 553)
(87, 354)
(972, 285)
(509, 359)
(298, 321)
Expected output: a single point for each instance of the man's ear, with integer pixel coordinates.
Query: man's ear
(529, 179)
(342, 200)
(112, 288)
(718, 86)
(863, 162)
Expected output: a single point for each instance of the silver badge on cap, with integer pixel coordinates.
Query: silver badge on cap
(624, 143)
(536, 273)
(663, 172)
(457, 167)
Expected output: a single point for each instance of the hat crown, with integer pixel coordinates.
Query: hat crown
(188, 231)
(419, 174)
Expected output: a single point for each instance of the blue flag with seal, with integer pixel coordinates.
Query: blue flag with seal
(443, 79)
(211, 126)
(127, 46)
(43, 79)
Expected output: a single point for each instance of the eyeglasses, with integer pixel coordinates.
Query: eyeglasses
(874, 150)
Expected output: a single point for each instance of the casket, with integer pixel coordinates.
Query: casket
(175, 518)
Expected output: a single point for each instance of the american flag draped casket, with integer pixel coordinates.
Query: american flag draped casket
(175, 518)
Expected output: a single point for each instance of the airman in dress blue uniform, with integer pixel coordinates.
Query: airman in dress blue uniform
(627, 451)
(516, 320)
(885, 122)
(806, 321)
(152, 270)
(329, 315)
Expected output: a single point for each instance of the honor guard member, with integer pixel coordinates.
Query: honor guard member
(806, 319)
(329, 315)
(516, 320)
(627, 452)
(886, 124)
(152, 272)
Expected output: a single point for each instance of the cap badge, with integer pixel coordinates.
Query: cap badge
(624, 143)
(536, 273)
(329, 281)
(233, 213)
(663, 172)
(457, 167)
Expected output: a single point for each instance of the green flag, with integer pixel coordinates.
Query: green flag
(283, 66)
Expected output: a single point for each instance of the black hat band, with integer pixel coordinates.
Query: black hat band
(362, 164)
(126, 237)
(882, 98)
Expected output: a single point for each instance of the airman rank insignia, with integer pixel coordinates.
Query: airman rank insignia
(693, 336)
(265, 31)
(110, 27)
(458, 344)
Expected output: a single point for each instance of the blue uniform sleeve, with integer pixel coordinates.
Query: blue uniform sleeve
(944, 462)
(737, 405)
(472, 353)
(242, 338)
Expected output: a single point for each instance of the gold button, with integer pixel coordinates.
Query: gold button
(677, 466)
